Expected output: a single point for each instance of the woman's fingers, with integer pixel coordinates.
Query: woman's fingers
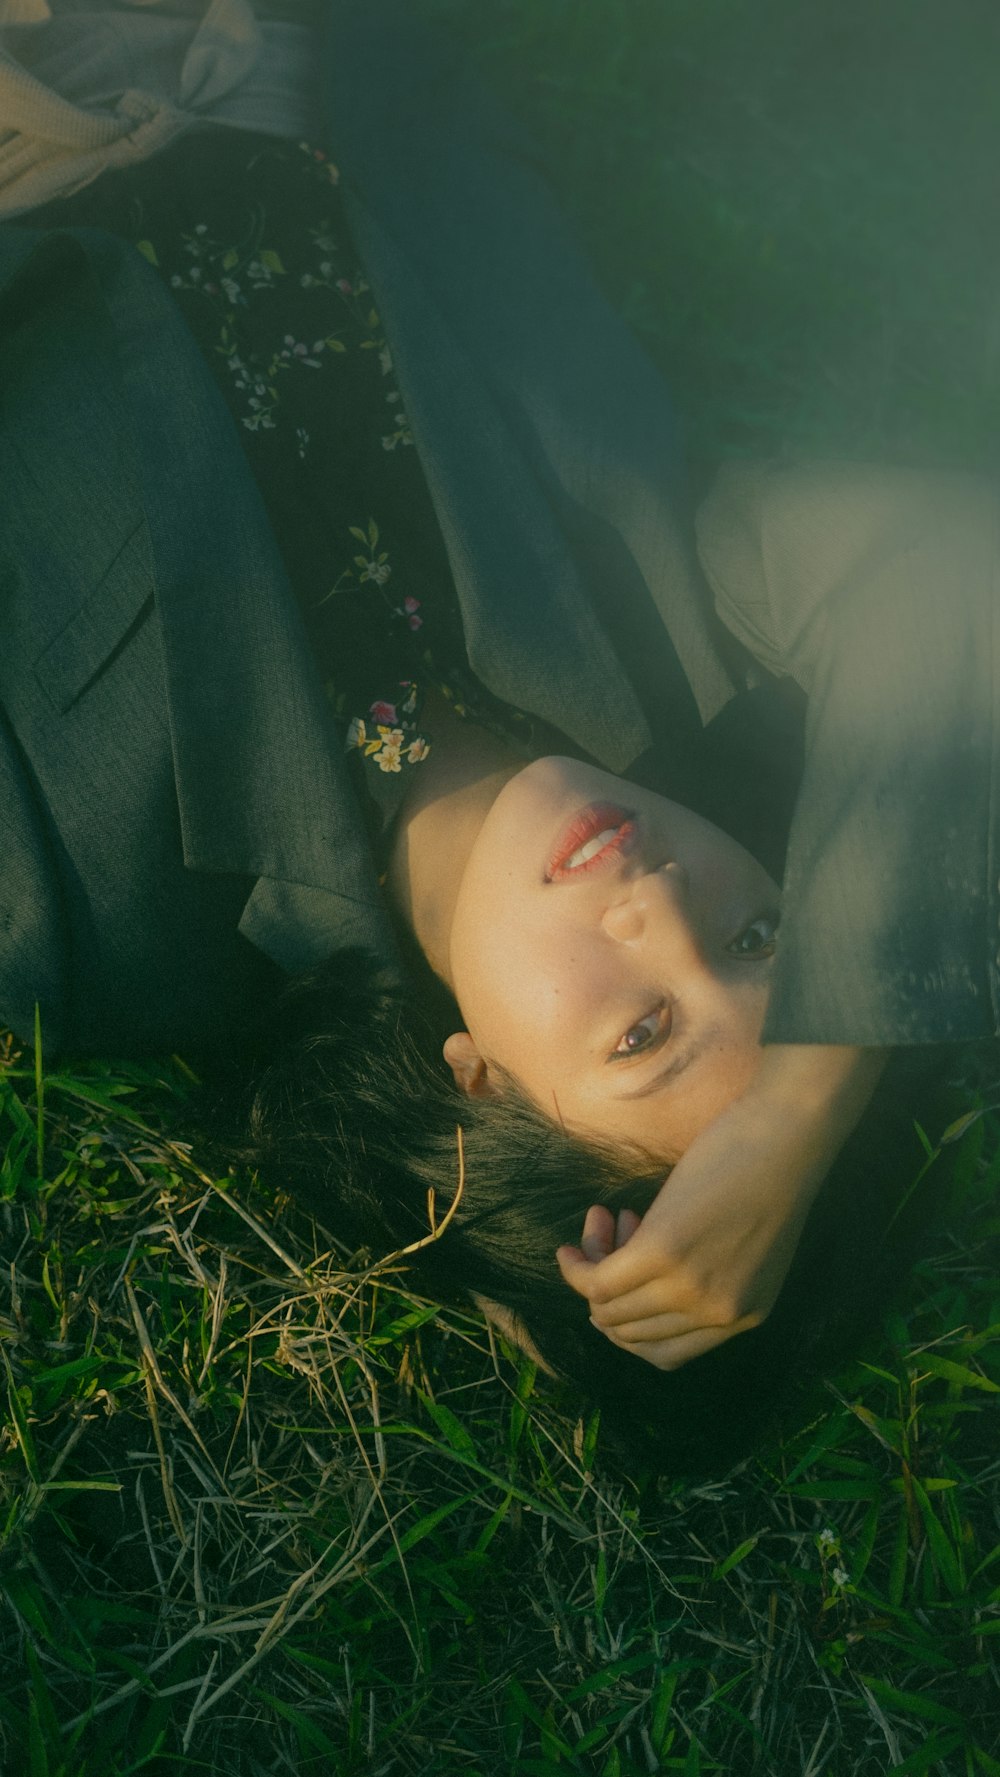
(664, 1319)
(659, 1311)
(603, 1233)
(646, 1289)
(661, 1301)
(671, 1354)
(654, 1327)
(625, 1227)
(598, 1237)
(596, 1270)
(669, 1328)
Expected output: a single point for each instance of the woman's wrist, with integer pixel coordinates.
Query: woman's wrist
(825, 1086)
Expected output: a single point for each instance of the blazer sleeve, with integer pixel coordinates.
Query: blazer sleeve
(876, 590)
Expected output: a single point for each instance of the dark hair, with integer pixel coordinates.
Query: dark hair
(356, 1115)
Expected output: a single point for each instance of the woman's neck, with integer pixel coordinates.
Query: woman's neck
(449, 797)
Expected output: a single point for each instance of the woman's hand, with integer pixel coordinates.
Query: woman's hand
(710, 1255)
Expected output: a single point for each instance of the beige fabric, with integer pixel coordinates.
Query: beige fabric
(878, 591)
(786, 547)
(84, 90)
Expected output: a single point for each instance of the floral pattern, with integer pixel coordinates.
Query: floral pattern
(249, 235)
(230, 275)
(389, 738)
(376, 570)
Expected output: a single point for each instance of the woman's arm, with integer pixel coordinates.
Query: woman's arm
(711, 1254)
(875, 589)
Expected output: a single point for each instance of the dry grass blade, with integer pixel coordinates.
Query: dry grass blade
(155, 1375)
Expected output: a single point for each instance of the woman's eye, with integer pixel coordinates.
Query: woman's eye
(756, 939)
(647, 1034)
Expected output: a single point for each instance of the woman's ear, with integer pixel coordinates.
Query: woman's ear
(467, 1065)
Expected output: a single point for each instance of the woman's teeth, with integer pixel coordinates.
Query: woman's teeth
(584, 853)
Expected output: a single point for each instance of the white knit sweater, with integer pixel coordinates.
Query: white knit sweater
(91, 84)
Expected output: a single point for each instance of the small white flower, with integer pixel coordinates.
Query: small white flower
(840, 1576)
(388, 756)
(176, 281)
(826, 1538)
(379, 571)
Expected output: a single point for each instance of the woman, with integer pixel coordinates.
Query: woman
(551, 593)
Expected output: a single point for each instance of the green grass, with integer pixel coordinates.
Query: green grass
(791, 200)
(265, 1510)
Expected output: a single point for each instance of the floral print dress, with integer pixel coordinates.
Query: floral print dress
(248, 233)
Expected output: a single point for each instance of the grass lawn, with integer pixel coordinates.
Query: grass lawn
(263, 1510)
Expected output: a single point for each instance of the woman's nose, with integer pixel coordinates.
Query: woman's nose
(654, 905)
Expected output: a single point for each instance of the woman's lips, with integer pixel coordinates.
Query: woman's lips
(577, 849)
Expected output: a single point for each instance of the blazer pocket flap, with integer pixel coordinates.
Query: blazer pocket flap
(101, 626)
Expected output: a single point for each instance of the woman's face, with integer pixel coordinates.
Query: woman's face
(611, 950)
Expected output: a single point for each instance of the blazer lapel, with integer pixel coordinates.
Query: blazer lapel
(547, 439)
(262, 786)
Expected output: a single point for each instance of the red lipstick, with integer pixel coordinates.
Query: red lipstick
(587, 825)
